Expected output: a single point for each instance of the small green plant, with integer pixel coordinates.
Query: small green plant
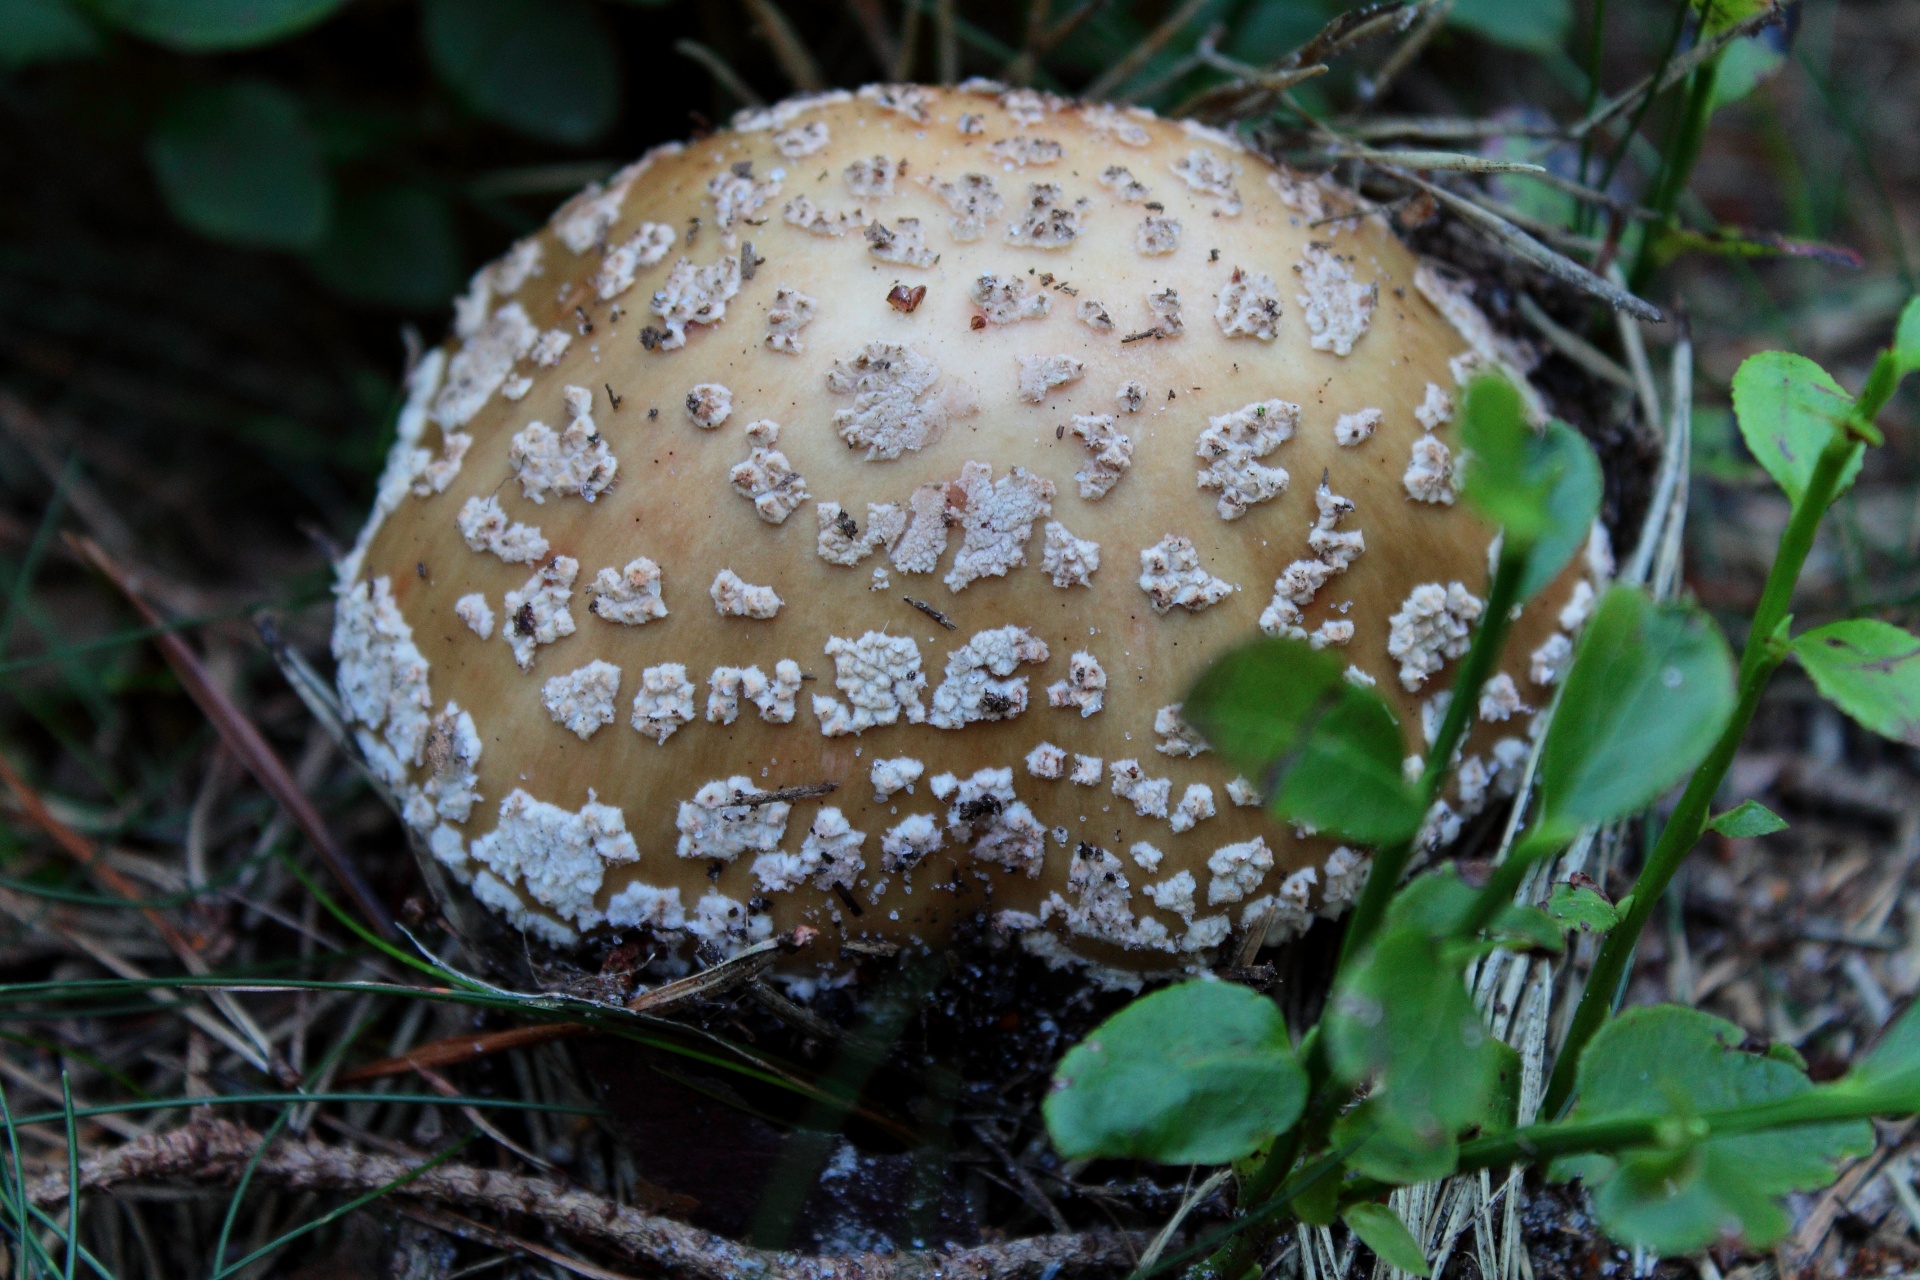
(1682, 1132)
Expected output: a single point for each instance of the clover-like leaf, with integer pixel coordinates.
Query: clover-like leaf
(213, 26)
(1667, 1063)
(1747, 819)
(1870, 670)
(1328, 752)
(238, 162)
(1788, 409)
(544, 68)
(1200, 1073)
(1581, 907)
(1650, 688)
(1381, 1230)
(1543, 487)
(393, 246)
(33, 31)
(1437, 902)
(1401, 1017)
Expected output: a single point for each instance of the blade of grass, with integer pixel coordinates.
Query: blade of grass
(73, 1175)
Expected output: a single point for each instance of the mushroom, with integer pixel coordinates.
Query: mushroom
(713, 590)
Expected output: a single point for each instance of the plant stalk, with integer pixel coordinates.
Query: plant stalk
(1762, 655)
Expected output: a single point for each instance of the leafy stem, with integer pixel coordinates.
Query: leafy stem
(1762, 655)
(1390, 863)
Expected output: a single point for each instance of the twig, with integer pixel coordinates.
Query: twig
(789, 50)
(241, 737)
(1138, 56)
(217, 1150)
(780, 795)
(716, 66)
(1676, 71)
(1573, 346)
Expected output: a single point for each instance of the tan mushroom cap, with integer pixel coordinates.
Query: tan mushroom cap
(776, 647)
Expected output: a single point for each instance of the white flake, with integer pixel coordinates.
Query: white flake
(1500, 699)
(474, 610)
(726, 924)
(1022, 152)
(1177, 737)
(1087, 771)
(558, 855)
(1093, 313)
(709, 404)
(1336, 632)
(802, 139)
(1005, 300)
(1549, 661)
(1356, 428)
(1157, 234)
(1211, 175)
(735, 598)
(1433, 625)
(1574, 614)
(1336, 548)
(582, 699)
(1429, 476)
(979, 683)
(630, 596)
(1171, 575)
(903, 244)
(767, 479)
(645, 906)
(437, 474)
(1148, 796)
(536, 613)
(1243, 793)
(789, 313)
(1047, 223)
(1175, 894)
(881, 676)
(873, 178)
(1234, 442)
(693, 295)
(897, 774)
(1237, 870)
(481, 364)
(1085, 687)
(1041, 374)
(1047, 761)
(811, 218)
(1130, 396)
(1337, 308)
(1435, 410)
(1249, 306)
(888, 418)
(738, 195)
(644, 248)
(1109, 121)
(902, 848)
(664, 703)
(1126, 188)
(974, 201)
(574, 461)
(834, 847)
(719, 823)
(840, 540)
(451, 754)
(910, 100)
(1111, 450)
(1357, 678)
(484, 527)
(996, 521)
(1068, 560)
(1195, 806)
(924, 540)
(491, 892)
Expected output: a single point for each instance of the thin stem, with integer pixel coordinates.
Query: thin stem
(1764, 653)
(1677, 168)
(1390, 864)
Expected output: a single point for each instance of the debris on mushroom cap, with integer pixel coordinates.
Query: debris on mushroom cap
(966, 327)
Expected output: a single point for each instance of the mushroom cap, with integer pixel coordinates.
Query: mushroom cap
(925, 443)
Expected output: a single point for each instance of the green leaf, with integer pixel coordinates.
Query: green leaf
(1743, 65)
(1867, 668)
(33, 31)
(1402, 1017)
(212, 26)
(237, 162)
(1200, 1073)
(1381, 1230)
(1540, 486)
(1787, 408)
(1436, 902)
(1573, 501)
(1718, 15)
(1748, 819)
(1892, 1070)
(1517, 24)
(1690, 1190)
(544, 68)
(1329, 753)
(1582, 907)
(393, 246)
(1906, 339)
(1388, 1149)
(1650, 688)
